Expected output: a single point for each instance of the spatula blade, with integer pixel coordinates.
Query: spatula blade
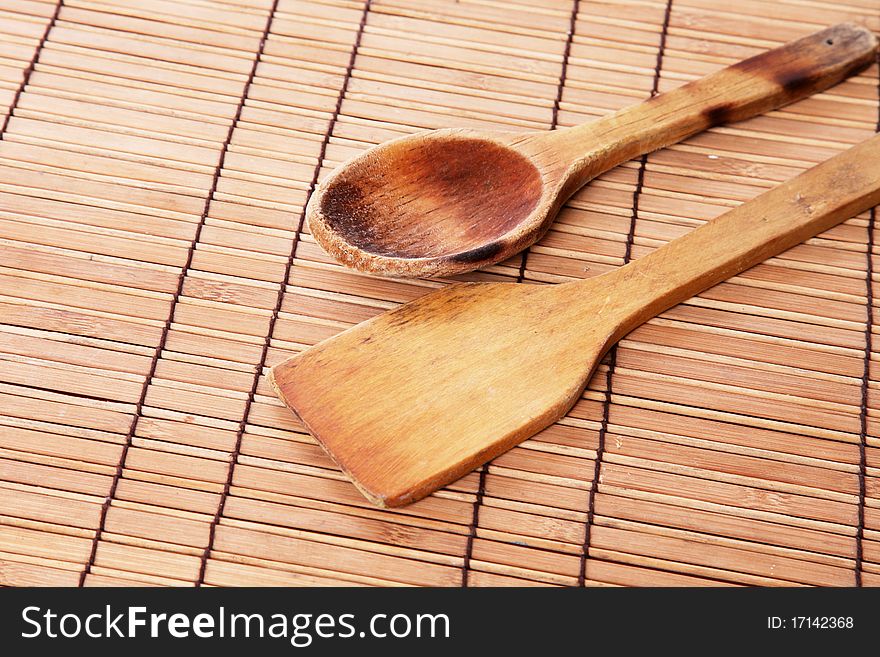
(417, 397)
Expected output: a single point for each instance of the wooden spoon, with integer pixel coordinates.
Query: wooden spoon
(419, 396)
(449, 201)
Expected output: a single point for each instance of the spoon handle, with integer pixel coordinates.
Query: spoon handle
(778, 219)
(748, 88)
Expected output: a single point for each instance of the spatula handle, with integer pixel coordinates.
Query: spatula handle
(748, 88)
(806, 205)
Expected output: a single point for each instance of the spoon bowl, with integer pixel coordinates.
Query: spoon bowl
(449, 201)
(428, 202)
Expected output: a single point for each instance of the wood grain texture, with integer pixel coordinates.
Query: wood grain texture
(417, 397)
(450, 201)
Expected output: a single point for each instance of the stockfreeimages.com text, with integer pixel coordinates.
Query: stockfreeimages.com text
(299, 629)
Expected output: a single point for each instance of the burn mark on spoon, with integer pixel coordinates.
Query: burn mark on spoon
(718, 114)
(478, 254)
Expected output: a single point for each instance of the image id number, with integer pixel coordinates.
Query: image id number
(810, 623)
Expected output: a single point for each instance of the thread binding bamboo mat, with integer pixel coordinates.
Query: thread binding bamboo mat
(154, 164)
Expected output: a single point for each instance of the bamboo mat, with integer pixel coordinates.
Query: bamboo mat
(154, 164)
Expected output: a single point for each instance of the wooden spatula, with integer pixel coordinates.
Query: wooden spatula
(419, 396)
